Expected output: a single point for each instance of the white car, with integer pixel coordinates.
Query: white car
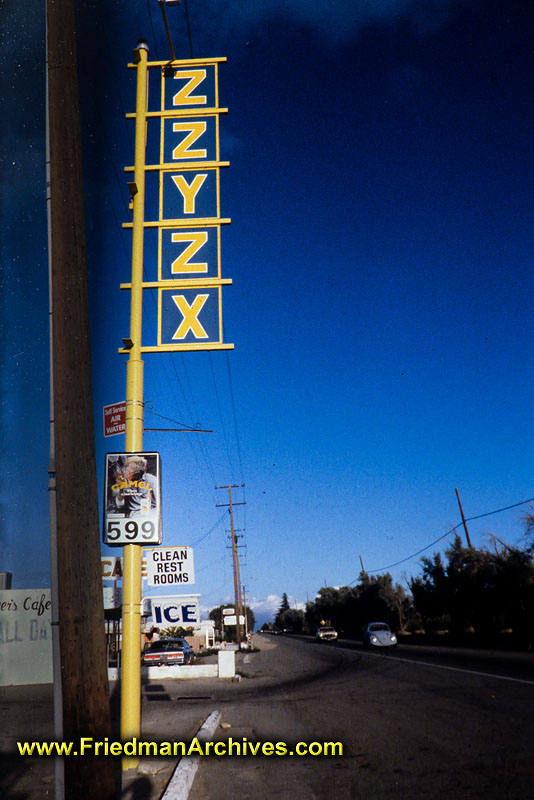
(378, 634)
(326, 634)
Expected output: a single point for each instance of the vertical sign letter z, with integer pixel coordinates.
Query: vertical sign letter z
(183, 97)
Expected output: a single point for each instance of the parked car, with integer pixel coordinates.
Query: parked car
(326, 634)
(378, 634)
(168, 651)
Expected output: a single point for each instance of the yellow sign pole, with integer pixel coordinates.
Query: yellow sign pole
(131, 603)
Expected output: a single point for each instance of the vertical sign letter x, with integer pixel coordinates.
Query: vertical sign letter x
(190, 316)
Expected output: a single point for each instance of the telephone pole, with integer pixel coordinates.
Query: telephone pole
(235, 555)
(83, 707)
(245, 611)
(463, 519)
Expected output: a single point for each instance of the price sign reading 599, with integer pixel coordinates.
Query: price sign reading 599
(132, 499)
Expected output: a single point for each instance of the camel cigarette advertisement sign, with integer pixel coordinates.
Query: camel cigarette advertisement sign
(132, 499)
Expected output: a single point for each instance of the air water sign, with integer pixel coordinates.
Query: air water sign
(115, 419)
(189, 283)
(167, 566)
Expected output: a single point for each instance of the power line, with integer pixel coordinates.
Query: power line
(506, 508)
(153, 32)
(205, 536)
(169, 419)
(207, 566)
(221, 415)
(439, 539)
(238, 443)
(188, 29)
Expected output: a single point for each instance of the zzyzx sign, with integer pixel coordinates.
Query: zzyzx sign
(175, 610)
(169, 565)
(188, 220)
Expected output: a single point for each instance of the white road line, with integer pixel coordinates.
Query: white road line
(180, 784)
(454, 669)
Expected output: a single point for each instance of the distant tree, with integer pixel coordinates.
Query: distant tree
(229, 632)
(310, 617)
(477, 590)
(328, 604)
(378, 599)
(349, 608)
(431, 591)
(284, 606)
(175, 632)
(528, 525)
(216, 614)
(251, 619)
(292, 618)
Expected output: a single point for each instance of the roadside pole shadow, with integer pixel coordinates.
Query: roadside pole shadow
(12, 768)
(115, 705)
(139, 789)
(155, 691)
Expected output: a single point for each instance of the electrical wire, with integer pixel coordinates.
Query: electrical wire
(207, 566)
(234, 415)
(223, 427)
(440, 538)
(152, 26)
(169, 419)
(205, 536)
(188, 28)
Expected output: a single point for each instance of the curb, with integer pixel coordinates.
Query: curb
(181, 671)
(180, 784)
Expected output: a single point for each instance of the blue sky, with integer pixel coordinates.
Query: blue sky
(379, 187)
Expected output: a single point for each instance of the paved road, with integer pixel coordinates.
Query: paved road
(410, 729)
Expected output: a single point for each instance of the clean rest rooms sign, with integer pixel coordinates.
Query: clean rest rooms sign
(167, 566)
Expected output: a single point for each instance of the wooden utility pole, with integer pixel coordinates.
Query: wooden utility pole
(235, 556)
(245, 611)
(84, 681)
(463, 519)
